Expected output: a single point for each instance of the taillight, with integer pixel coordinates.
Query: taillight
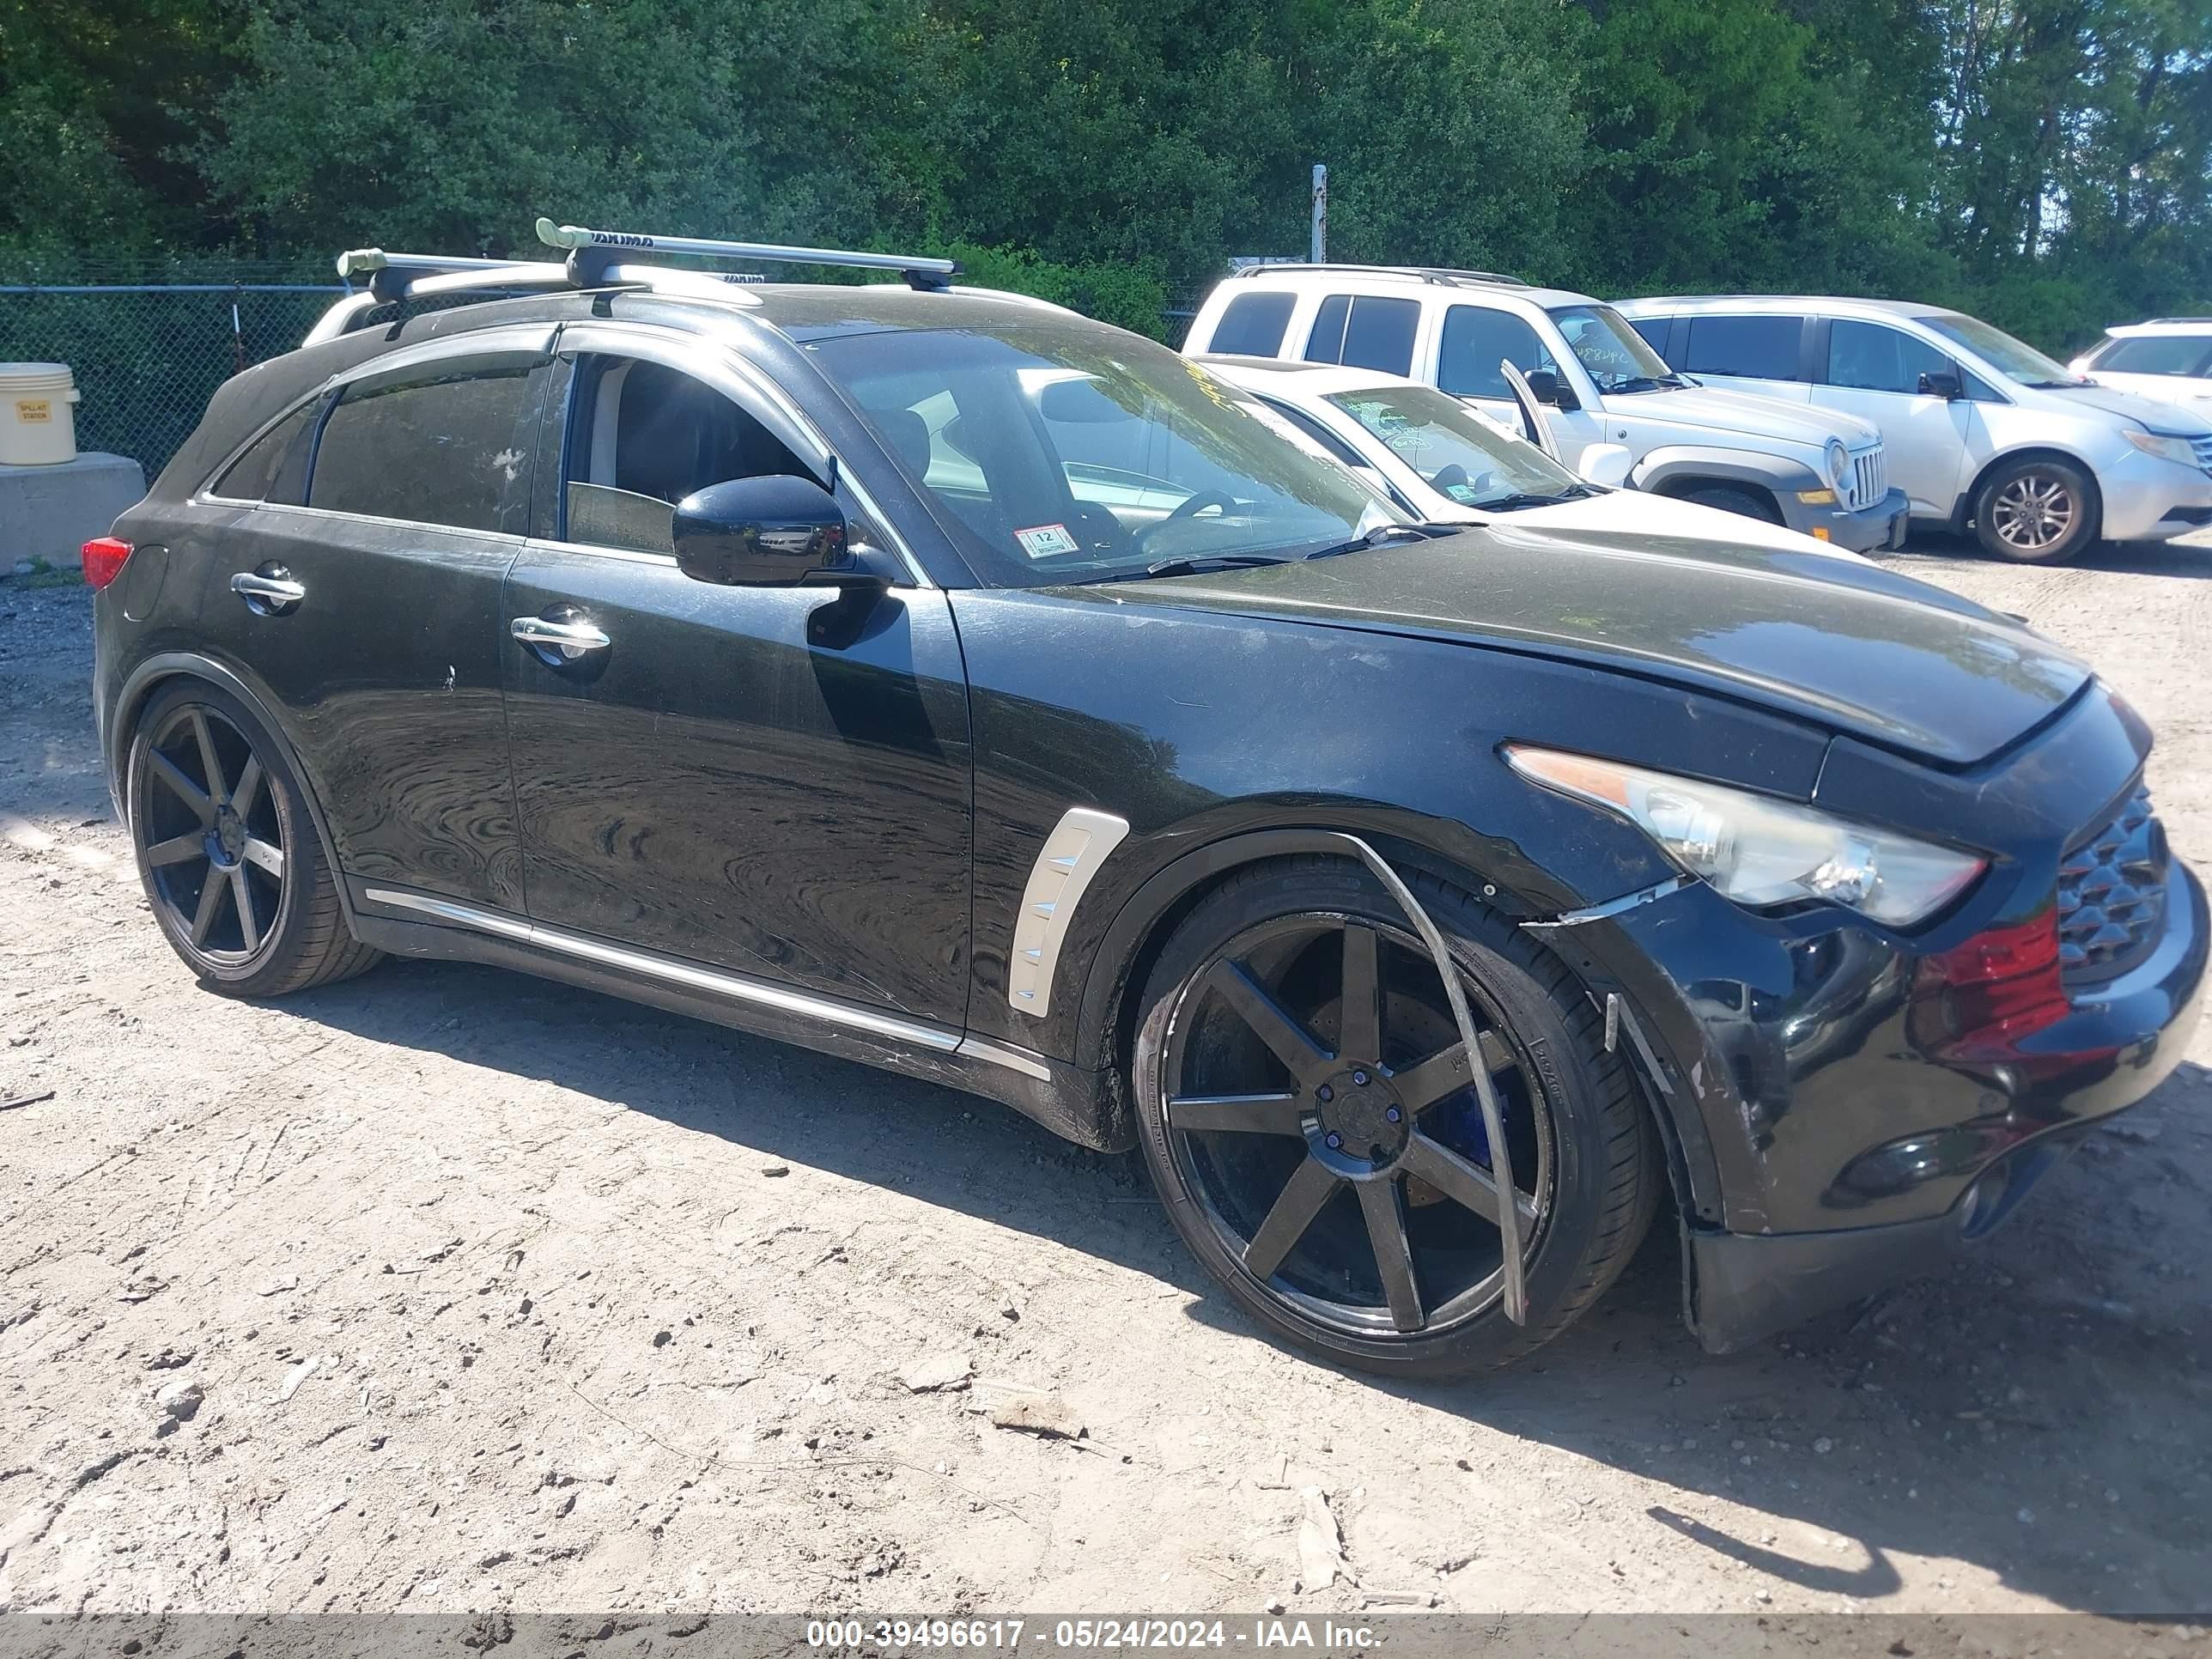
(104, 558)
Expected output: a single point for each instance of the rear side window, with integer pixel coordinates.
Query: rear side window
(1875, 357)
(273, 466)
(2155, 354)
(1364, 332)
(1252, 324)
(451, 448)
(1764, 348)
(1654, 331)
(1476, 340)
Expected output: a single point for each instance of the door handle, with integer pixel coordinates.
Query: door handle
(556, 639)
(268, 591)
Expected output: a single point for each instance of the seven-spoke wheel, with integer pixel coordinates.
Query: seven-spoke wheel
(228, 851)
(1309, 1115)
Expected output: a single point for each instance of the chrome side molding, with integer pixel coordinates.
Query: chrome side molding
(1079, 843)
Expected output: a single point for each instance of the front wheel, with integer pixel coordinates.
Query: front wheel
(1307, 1114)
(2039, 511)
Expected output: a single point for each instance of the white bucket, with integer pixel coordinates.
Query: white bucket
(38, 414)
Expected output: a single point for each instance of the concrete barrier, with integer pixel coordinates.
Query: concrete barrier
(49, 512)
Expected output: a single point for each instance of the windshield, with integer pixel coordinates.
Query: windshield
(1055, 450)
(1615, 354)
(1456, 451)
(2015, 360)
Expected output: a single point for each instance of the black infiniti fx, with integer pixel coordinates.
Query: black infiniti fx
(945, 681)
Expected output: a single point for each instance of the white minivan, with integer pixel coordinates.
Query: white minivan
(1983, 429)
(1815, 472)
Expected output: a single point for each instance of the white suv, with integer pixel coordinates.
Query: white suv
(2168, 358)
(1982, 429)
(1814, 471)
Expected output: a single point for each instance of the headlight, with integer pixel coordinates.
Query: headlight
(1839, 464)
(2166, 448)
(1759, 851)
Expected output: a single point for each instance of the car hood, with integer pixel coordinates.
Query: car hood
(2159, 388)
(1755, 423)
(1844, 643)
(2158, 416)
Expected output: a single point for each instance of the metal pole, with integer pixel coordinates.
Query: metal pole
(1320, 254)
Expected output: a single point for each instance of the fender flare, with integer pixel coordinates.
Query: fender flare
(1691, 1169)
(167, 666)
(1676, 464)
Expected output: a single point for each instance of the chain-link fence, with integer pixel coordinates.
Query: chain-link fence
(148, 355)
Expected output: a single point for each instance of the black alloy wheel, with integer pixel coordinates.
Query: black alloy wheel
(227, 852)
(1311, 1118)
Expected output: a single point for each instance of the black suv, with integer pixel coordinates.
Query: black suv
(943, 680)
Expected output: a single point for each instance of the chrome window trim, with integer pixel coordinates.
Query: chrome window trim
(205, 493)
(343, 516)
(1067, 860)
(708, 359)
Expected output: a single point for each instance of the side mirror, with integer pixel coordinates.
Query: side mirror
(1606, 464)
(1941, 383)
(773, 532)
(1549, 388)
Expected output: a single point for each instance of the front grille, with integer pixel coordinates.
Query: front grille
(2203, 448)
(1869, 479)
(2112, 895)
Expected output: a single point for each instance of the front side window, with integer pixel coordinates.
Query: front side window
(451, 446)
(2015, 360)
(1454, 450)
(641, 437)
(274, 465)
(1252, 325)
(2182, 354)
(1364, 332)
(1055, 451)
(1875, 357)
(1615, 354)
(1476, 340)
(1758, 348)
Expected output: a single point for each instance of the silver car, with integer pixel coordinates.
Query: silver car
(1982, 429)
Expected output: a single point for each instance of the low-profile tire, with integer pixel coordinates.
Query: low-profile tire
(1750, 503)
(2038, 510)
(233, 866)
(1268, 1129)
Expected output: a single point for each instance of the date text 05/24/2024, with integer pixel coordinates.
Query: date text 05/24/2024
(894, 1635)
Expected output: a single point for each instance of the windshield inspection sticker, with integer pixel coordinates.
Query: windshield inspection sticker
(1046, 539)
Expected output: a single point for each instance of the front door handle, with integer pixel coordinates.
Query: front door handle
(269, 592)
(558, 639)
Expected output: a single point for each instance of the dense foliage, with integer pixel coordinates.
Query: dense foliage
(2044, 162)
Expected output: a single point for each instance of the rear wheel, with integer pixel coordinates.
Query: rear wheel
(2037, 511)
(228, 851)
(1307, 1112)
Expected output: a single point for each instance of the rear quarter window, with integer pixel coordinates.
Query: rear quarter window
(454, 448)
(274, 465)
(1760, 347)
(1252, 325)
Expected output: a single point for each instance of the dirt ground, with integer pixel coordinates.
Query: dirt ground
(500, 1294)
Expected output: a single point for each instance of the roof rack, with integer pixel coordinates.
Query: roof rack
(1442, 276)
(2181, 320)
(592, 252)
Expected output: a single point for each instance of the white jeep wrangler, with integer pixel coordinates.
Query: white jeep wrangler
(1815, 471)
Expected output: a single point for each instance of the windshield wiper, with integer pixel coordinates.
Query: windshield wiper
(1515, 502)
(1427, 530)
(1196, 567)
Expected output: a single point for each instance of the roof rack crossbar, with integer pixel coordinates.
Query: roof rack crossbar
(1440, 275)
(590, 250)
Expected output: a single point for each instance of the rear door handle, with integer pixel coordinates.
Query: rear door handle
(558, 639)
(269, 592)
